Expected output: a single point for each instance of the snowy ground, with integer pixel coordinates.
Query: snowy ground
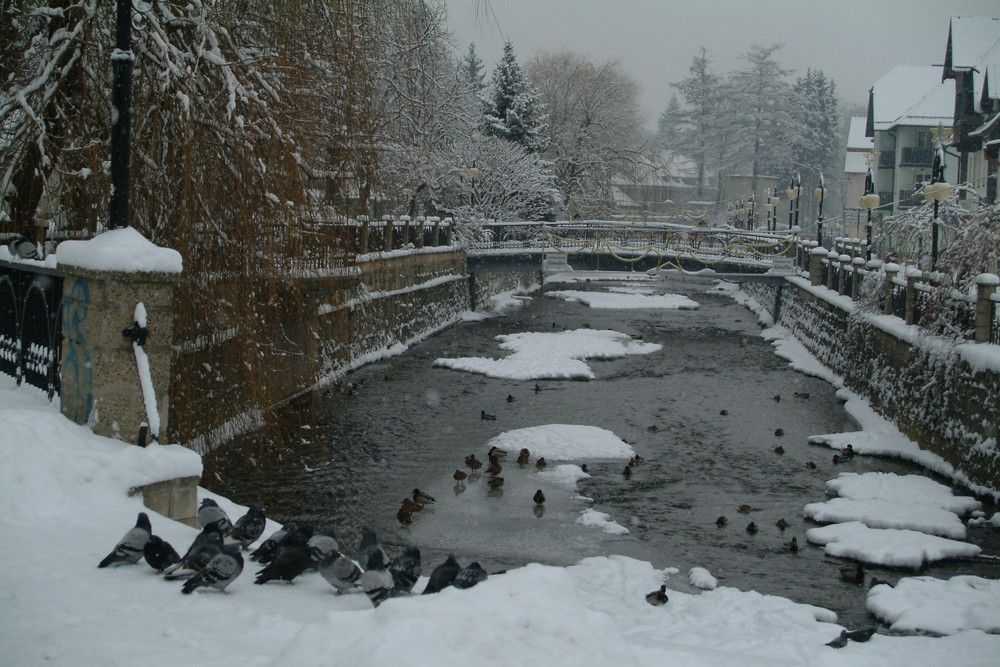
(65, 503)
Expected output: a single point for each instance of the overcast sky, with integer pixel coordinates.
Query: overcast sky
(853, 41)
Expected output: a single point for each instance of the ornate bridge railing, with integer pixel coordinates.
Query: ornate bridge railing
(630, 242)
(30, 324)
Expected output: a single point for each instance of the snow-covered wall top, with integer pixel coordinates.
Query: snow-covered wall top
(124, 250)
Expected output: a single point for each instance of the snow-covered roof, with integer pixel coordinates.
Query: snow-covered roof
(856, 139)
(993, 80)
(969, 38)
(912, 95)
(855, 163)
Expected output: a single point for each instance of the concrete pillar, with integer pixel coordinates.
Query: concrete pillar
(912, 276)
(845, 264)
(816, 256)
(364, 236)
(405, 219)
(437, 231)
(986, 286)
(857, 265)
(388, 234)
(832, 257)
(421, 221)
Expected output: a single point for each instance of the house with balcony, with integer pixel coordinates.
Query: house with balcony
(972, 61)
(859, 148)
(903, 107)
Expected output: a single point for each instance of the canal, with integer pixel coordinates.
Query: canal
(703, 412)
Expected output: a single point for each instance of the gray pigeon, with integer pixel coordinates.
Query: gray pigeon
(469, 576)
(340, 571)
(129, 548)
(443, 575)
(248, 528)
(369, 547)
(159, 554)
(206, 545)
(221, 571)
(376, 580)
(405, 569)
(321, 544)
(291, 560)
(210, 514)
(265, 552)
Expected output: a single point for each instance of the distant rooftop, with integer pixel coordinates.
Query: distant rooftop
(912, 95)
(856, 139)
(973, 45)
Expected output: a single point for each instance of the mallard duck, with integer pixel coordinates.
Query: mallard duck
(779, 450)
(422, 498)
(752, 528)
(875, 581)
(801, 394)
(721, 521)
(539, 497)
(810, 465)
(494, 468)
(584, 468)
(523, 457)
(854, 574)
(405, 518)
(779, 432)
(782, 524)
(627, 471)
(848, 452)
(723, 412)
(495, 482)
(653, 429)
(793, 546)
(744, 509)
(496, 452)
(411, 506)
(837, 459)
(540, 463)
(538, 388)
(636, 460)
(485, 417)
(510, 398)
(473, 462)
(459, 475)
(777, 398)
(658, 597)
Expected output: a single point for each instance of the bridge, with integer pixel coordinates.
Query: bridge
(638, 246)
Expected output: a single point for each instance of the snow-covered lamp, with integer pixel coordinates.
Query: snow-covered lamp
(793, 193)
(937, 191)
(820, 193)
(870, 201)
(473, 172)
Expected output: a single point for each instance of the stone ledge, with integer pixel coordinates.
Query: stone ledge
(176, 498)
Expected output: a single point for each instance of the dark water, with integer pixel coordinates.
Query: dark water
(348, 456)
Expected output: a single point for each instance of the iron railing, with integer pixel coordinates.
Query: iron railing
(31, 324)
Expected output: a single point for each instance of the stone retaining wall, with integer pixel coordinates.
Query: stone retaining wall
(927, 388)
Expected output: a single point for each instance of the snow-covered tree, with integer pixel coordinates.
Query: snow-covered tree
(764, 126)
(512, 109)
(817, 145)
(593, 131)
(473, 70)
(669, 124)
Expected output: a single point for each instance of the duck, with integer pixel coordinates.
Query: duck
(848, 452)
(721, 521)
(627, 471)
(524, 456)
(653, 429)
(540, 463)
(422, 498)
(752, 528)
(459, 475)
(802, 394)
(404, 517)
(495, 482)
(411, 506)
(779, 450)
(781, 523)
(744, 509)
(854, 574)
(636, 460)
(539, 497)
(837, 459)
(875, 581)
(538, 388)
(494, 468)
(473, 462)
(723, 412)
(496, 452)
(777, 398)
(810, 465)
(779, 432)
(793, 546)
(585, 469)
(511, 398)
(485, 417)
(658, 597)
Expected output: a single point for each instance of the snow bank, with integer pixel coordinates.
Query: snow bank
(701, 578)
(123, 249)
(607, 300)
(564, 442)
(876, 513)
(889, 547)
(901, 488)
(938, 606)
(551, 356)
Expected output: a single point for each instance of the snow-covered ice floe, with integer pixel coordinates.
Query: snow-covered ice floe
(602, 520)
(701, 578)
(565, 442)
(551, 356)
(938, 606)
(608, 300)
(567, 474)
(887, 546)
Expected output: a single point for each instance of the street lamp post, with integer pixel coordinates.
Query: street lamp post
(820, 195)
(121, 115)
(937, 191)
(794, 190)
(869, 200)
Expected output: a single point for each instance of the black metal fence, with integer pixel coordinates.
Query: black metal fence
(31, 324)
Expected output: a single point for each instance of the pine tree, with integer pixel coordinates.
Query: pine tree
(699, 122)
(472, 69)
(513, 111)
(816, 148)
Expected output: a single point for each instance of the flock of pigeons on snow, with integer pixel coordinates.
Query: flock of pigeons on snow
(214, 559)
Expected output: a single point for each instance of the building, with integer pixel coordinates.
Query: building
(972, 61)
(903, 107)
(859, 150)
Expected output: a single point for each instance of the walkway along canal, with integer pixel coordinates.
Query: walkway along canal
(702, 412)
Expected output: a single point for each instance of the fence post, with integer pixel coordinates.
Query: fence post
(405, 219)
(388, 234)
(845, 262)
(832, 257)
(890, 275)
(421, 221)
(437, 230)
(364, 235)
(986, 286)
(816, 256)
(858, 264)
(912, 275)
(448, 230)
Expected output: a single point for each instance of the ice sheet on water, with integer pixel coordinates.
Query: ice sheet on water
(887, 546)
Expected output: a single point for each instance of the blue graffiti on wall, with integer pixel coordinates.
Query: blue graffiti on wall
(78, 363)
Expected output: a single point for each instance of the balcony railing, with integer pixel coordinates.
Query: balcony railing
(886, 159)
(916, 157)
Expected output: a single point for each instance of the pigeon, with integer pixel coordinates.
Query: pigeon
(221, 571)
(159, 554)
(369, 548)
(469, 576)
(422, 498)
(539, 497)
(862, 635)
(321, 544)
(292, 560)
(206, 545)
(129, 548)
(658, 597)
(376, 581)
(248, 528)
(339, 571)
(210, 514)
(405, 569)
(443, 575)
(265, 552)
